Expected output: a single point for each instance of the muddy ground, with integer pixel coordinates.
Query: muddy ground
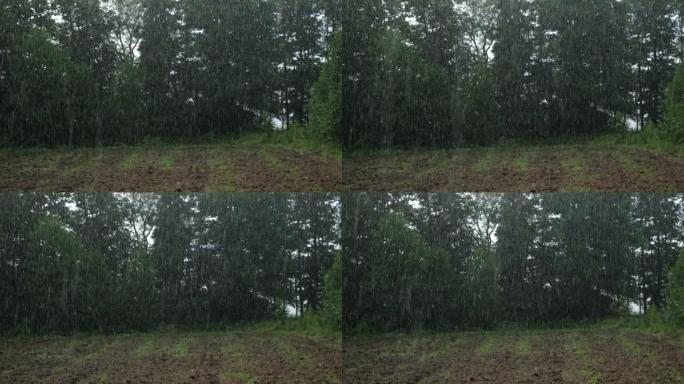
(566, 356)
(574, 168)
(170, 169)
(216, 358)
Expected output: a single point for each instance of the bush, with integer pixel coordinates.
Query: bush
(675, 291)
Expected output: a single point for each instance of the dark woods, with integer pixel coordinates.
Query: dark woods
(116, 262)
(450, 262)
(392, 73)
(120, 71)
(474, 72)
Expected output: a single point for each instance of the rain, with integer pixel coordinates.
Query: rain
(341, 191)
(204, 84)
(171, 277)
(519, 95)
(447, 287)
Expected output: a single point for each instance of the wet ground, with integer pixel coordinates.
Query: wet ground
(170, 169)
(216, 358)
(567, 356)
(520, 169)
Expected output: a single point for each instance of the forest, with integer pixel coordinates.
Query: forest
(84, 73)
(454, 262)
(445, 73)
(109, 263)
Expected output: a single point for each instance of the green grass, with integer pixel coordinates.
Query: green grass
(295, 139)
(146, 348)
(273, 161)
(241, 353)
(247, 378)
(644, 140)
(131, 161)
(104, 378)
(310, 325)
(647, 139)
(488, 345)
(576, 352)
(575, 163)
(222, 170)
(487, 162)
(595, 377)
(181, 348)
(522, 162)
(167, 162)
(82, 161)
(630, 345)
(523, 347)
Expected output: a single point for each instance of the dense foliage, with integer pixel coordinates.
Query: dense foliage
(675, 296)
(332, 294)
(120, 71)
(473, 72)
(674, 107)
(111, 262)
(460, 261)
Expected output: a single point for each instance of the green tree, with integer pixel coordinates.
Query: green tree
(325, 107)
(674, 107)
(512, 53)
(675, 298)
(159, 50)
(300, 33)
(654, 42)
(332, 294)
(120, 262)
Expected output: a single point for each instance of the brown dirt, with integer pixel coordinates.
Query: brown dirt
(226, 358)
(577, 356)
(532, 169)
(279, 169)
(169, 169)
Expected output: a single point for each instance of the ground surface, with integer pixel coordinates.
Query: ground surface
(161, 168)
(569, 356)
(216, 358)
(518, 169)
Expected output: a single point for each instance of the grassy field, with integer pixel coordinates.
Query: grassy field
(582, 356)
(250, 164)
(242, 356)
(518, 168)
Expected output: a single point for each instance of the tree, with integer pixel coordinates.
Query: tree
(301, 32)
(159, 50)
(325, 107)
(517, 234)
(676, 291)
(127, 17)
(674, 107)
(654, 40)
(121, 262)
(659, 230)
(512, 52)
(121, 71)
(332, 294)
(463, 261)
(589, 44)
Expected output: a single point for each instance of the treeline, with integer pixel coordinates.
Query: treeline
(90, 72)
(473, 72)
(463, 261)
(117, 262)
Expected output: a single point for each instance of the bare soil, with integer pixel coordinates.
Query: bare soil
(216, 358)
(534, 357)
(211, 168)
(520, 169)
